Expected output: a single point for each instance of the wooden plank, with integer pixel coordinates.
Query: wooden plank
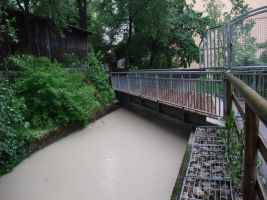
(251, 152)
(263, 148)
(261, 191)
(238, 106)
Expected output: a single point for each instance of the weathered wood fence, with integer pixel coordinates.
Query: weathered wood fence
(44, 39)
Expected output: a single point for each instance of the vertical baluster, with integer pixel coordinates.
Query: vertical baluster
(140, 85)
(128, 85)
(183, 93)
(119, 82)
(214, 47)
(157, 85)
(210, 41)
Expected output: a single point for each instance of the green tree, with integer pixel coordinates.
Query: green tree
(147, 32)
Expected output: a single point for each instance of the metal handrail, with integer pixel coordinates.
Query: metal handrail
(257, 103)
(168, 72)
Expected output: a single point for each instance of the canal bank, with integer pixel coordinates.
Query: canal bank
(131, 153)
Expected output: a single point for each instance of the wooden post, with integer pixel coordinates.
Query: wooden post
(251, 150)
(229, 97)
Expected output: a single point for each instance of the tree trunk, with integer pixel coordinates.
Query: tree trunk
(82, 7)
(127, 55)
(26, 11)
(154, 47)
(28, 25)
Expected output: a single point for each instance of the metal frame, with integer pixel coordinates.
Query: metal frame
(221, 46)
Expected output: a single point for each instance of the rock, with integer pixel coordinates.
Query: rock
(204, 174)
(198, 192)
(196, 166)
(185, 195)
(225, 187)
(205, 148)
(212, 162)
(217, 169)
(206, 185)
(225, 195)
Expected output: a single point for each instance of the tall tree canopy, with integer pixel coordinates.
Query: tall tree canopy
(148, 33)
(152, 33)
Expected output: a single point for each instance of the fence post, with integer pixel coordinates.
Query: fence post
(228, 98)
(250, 156)
(157, 82)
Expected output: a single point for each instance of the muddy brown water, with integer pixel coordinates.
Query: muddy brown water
(130, 154)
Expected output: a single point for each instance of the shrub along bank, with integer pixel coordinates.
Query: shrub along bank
(40, 95)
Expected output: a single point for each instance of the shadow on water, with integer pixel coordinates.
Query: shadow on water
(171, 125)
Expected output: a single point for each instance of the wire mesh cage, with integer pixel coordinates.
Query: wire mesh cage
(206, 189)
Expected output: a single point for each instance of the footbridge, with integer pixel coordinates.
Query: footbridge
(198, 92)
(231, 80)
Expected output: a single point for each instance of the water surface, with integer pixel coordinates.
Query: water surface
(130, 154)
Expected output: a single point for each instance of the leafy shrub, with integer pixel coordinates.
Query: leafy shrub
(53, 95)
(11, 127)
(95, 74)
(235, 144)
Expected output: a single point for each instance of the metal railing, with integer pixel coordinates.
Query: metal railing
(255, 111)
(201, 92)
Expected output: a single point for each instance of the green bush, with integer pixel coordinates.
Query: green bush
(95, 74)
(11, 127)
(53, 95)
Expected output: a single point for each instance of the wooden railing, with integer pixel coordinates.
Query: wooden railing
(255, 110)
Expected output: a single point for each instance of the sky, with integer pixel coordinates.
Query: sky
(199, 6)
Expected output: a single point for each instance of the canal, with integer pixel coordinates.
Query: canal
(131, 153)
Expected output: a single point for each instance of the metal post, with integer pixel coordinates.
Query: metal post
(251, 151)
(171, 82)
(214, 47)
(140, 85)
(230, 45)
(219, 49)
(119, 81)
(183, 91)
(254, 81)
(157, 82)
(200, 52)
(210, 48)
(128, 83)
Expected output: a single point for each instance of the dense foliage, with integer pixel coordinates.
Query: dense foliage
(96, 76)
(235, 150)
(53, 95)
(12, 126)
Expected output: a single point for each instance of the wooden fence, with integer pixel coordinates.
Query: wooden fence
(44, 39)
(255, 110)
